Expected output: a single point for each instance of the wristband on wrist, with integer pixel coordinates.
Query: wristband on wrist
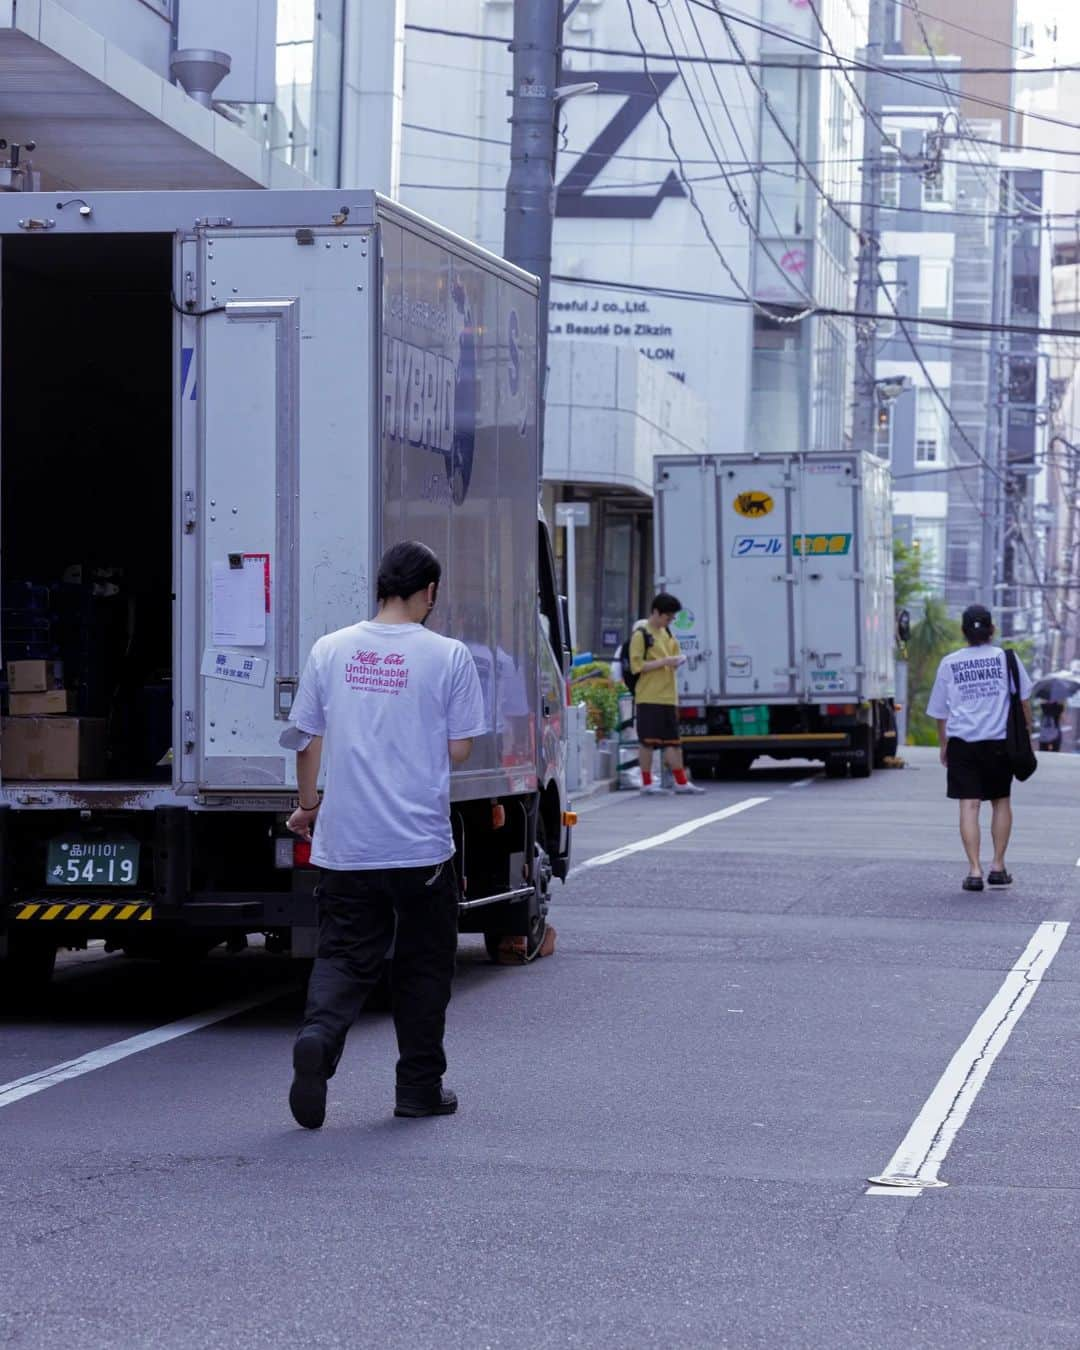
(302, 807)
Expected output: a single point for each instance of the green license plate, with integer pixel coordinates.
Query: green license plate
(92, 862)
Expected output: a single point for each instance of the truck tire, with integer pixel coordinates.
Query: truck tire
(883, 747)
(525, 919)
(863, 767)
(734, 764)
(28, 969)
(835, 767)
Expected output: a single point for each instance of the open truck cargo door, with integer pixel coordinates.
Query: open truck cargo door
(285, 451)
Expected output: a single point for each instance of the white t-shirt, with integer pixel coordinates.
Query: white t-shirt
(387, 698)
(971, 693)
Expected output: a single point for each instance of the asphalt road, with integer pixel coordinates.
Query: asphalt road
(666, 1129)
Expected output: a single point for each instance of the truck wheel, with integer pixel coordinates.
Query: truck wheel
(835, 767)
(28, 969)
(525, 921)
(864, 766)
(734, 765)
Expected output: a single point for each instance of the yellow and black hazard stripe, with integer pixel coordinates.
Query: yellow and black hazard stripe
(85, 911)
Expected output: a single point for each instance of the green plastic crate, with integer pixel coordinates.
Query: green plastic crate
(750, 721)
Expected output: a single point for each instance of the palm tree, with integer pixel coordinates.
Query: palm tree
(931, 637)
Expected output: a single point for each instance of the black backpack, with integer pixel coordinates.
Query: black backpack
(629, 678)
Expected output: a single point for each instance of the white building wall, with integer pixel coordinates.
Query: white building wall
(610, 412)
(142, 28)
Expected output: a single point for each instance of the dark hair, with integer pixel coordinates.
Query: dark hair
(405, 569)
(666, 604)
(977, 625)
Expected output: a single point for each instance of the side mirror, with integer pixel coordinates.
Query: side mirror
(903, 626)
(564, 632)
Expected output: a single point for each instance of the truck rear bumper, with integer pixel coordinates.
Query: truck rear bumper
(792, 742)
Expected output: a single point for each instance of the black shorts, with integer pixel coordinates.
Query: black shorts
(978, 769)
(657, 724)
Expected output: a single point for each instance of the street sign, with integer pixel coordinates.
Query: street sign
(573, 513)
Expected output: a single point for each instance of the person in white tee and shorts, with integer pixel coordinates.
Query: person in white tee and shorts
(970, 702)
(388, 706)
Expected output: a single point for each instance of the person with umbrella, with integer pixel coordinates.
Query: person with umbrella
(1054, 692)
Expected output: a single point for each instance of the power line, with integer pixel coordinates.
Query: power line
(760, 164)
(737, 197)
(856, 64)
(841, 62)
(973, 32)
(1016, 195)
(762, 197)
(828, 311)
(761, 309)
(876, 121)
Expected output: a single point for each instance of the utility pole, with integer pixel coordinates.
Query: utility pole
(530, 189)
(864, 419)
(994, 495)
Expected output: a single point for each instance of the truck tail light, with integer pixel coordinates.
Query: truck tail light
(841, 709)
(691, 714)
(290, 852)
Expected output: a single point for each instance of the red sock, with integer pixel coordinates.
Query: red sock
(680, 776)
(646, 778)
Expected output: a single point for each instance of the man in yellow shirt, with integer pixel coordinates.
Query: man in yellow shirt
(655, 655)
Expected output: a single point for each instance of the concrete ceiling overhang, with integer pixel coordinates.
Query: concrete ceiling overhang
(102, 120)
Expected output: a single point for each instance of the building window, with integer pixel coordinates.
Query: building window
(889, 301)
(778, 382)
(930, 426)
(890, 177)
(303, 125)
(935, 295)
(959, 561)
(937, 187)
(928, 536)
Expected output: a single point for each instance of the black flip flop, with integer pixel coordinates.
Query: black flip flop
(1001, 878)
(972, 883)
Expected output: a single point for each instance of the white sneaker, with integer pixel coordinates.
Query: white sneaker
(688, 789)
(653, 790)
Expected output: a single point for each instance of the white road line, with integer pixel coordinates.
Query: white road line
(109, 1054)
(802, 782)
(930, 1137)
(676, 832)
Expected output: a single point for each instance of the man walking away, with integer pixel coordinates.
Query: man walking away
(970, 702)
(655, 655)
(391, 705)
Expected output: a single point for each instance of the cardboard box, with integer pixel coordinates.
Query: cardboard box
(52, 703)
(34, 677)
(61, 748)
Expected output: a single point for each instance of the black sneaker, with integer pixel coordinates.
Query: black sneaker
(414, 1103)
(307, 1096)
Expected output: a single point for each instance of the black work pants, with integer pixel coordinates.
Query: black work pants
(360, 915)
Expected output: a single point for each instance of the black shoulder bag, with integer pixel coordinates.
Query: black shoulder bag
(1022, 758)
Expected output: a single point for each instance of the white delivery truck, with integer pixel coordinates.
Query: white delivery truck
(783, 563)
(218, 409)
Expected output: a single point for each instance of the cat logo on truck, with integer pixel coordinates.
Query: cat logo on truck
(753, 504)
